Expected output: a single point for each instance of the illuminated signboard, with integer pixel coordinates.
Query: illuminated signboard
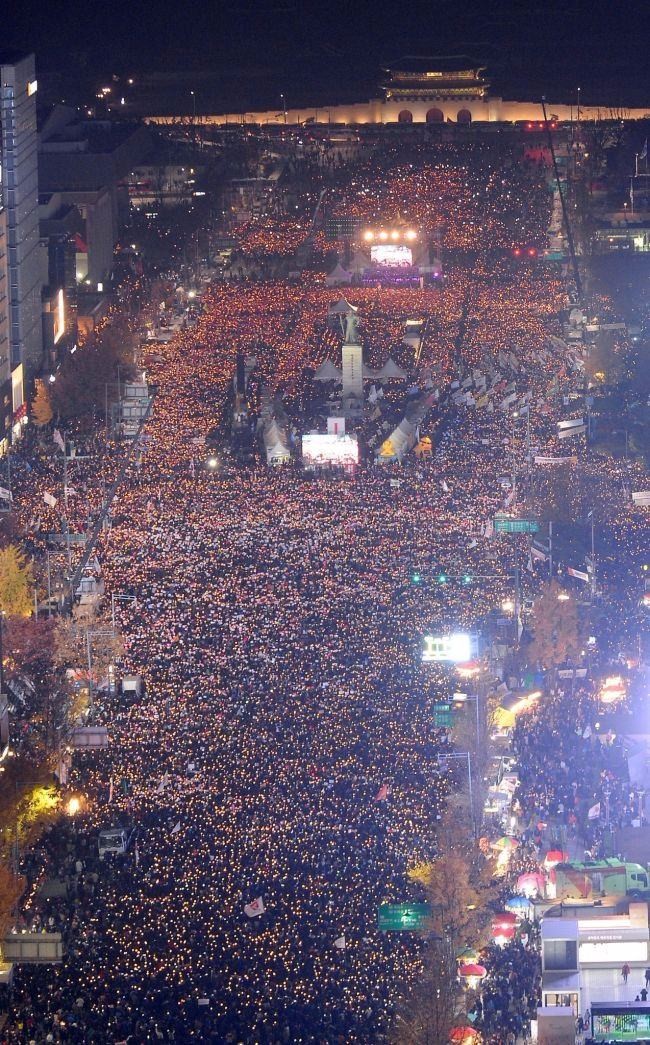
(325, 448)
(457, 648)
(32, 88)
(394, 254)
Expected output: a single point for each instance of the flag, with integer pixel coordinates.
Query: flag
(137, 854)
(58, 439)
(383, 793)
(49, 499)
(110, 791)
(538, 553)
(70, 491)
(339, 943)
(5, 495)
(254, 909)
(176, 830)
(444, 486)
(643, 155)
(594, 812)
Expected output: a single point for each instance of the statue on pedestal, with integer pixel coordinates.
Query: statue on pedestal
(352, 329)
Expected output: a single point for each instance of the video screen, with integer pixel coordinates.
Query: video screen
(394, 255)
(319, 449)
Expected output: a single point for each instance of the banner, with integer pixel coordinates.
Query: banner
(5, 495)
(555, 460)
(49, 499)
(567, 432)
(254, 909)
(594, 812)
(581, 576)
(641, 497)
(572, 422)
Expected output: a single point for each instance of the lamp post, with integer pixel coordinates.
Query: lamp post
(284, 108)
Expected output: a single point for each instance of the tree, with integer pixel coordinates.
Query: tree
(454, 901)
(555, 627)
(41, 405)
(11, 888)
(428, 1015)
(16, 583)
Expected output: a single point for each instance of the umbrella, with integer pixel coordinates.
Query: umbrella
(463, 1034)
(556, 856)
(518, 903)
(531, 882)
(505, 842)
(472, 970)
(504, 918)
(468, 955)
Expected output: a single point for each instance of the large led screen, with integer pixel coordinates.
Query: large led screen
(394, 254)
(319, 448)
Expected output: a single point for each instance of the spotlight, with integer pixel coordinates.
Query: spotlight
(383, 234)
(368, 236)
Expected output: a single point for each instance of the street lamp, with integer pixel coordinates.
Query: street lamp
(284, 107)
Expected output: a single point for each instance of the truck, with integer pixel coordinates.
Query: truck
(597, 879)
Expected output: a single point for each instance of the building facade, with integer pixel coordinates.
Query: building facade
(429, 91)
(25, 256)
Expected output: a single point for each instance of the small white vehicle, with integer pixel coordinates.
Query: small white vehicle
(113, 840)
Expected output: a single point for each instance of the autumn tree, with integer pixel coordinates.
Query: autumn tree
(428, 1015)
(555, 627)
(41, 405)
(11, 888)
(454, 900)
(16, 583)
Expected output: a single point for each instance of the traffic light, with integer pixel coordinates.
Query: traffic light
(467, 578)
(442, 577)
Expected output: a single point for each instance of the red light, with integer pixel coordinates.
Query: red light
(532, 252)
(553, 126)
(540, 125)
(516, 252)
(529, 126)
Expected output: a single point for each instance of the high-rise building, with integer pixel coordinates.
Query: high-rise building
(25, 254)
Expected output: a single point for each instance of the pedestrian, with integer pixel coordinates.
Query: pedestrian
(644, 993)
(625, 972)
(647, 977)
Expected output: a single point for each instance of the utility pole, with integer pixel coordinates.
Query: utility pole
(550, 551)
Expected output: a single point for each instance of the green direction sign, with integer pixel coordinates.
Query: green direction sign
(443, 716)
(402, 917)
(502, 525)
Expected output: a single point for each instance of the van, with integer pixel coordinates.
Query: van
(113, 840)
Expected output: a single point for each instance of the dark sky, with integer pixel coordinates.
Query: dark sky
(247, 51)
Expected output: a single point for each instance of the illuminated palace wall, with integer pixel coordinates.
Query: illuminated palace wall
(434, 110)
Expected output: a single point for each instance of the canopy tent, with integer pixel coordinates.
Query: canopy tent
(328, 372)
(401, 440)
(340, 307)
(505, 715)
(391, 372)
(276, 443)
(338, 276)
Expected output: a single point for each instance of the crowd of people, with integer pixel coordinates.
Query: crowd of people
(281, 771)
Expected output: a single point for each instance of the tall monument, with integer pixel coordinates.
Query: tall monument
(352, 361)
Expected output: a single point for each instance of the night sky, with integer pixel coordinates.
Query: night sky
(243, 53)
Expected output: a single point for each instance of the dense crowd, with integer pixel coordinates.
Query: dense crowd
(284, 750)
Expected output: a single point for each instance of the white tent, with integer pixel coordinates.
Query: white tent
(337, 277)
(391, 371)
(276, 444)
(401, 440)
(340, 307)
(328, 372)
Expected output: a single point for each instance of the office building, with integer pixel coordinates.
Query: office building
(25, 254)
